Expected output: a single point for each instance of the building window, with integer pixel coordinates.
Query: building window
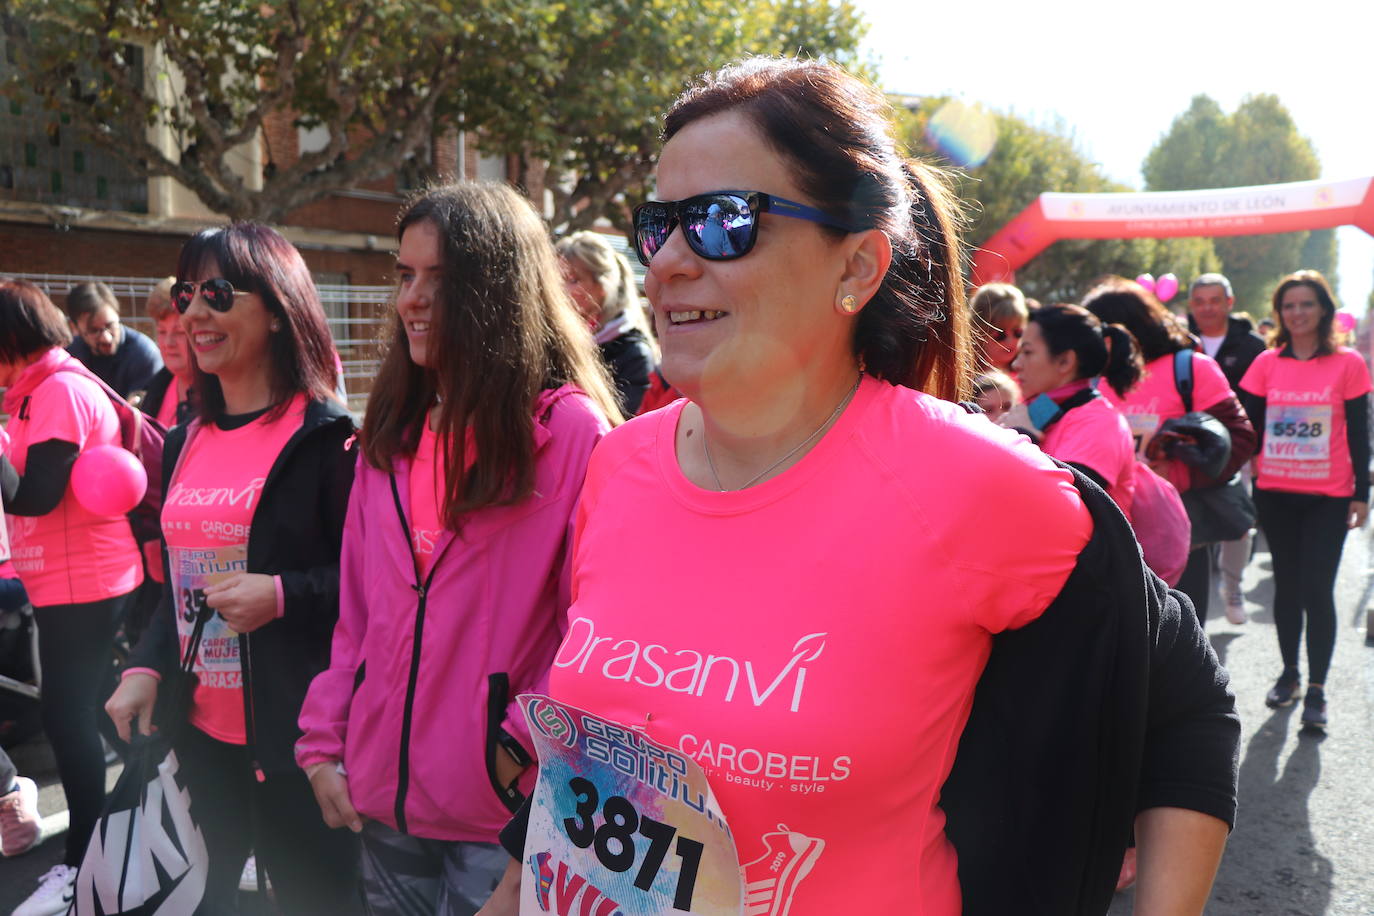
(42, 163)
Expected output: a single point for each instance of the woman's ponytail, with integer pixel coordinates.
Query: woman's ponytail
(1124, 366)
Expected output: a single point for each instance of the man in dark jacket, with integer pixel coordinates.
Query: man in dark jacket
(1233, 343)
(125, 359)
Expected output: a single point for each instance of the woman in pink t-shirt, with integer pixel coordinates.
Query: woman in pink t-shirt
(255, 491)
(1064, 351)
(80, 569)
(794, 576)
(1156, 399)
(454, 569)
(1309, 397)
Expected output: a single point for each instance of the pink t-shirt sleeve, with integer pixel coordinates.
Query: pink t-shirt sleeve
(1256, 378)
(1019, 562)
(1356, 377)
(1210, 387)
(1096, 441)
(64, 408)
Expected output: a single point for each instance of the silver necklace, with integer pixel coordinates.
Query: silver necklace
(839, 408)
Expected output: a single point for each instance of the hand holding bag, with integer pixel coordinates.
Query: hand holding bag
(146, 855)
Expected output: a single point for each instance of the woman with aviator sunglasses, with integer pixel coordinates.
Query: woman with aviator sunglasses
(256, 488)
(815, 636)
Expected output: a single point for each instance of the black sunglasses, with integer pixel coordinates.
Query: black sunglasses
(217, 292)
(719, 226)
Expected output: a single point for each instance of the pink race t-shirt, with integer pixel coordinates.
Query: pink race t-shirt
(1097, 436)
(1155, 398)
(167, 410)
(426, 490)
(70, 555)
(206, 518)
(814, 641)
(1305, 448)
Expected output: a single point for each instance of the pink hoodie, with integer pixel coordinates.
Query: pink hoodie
(417, 731)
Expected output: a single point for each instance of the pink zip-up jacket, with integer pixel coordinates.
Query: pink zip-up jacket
(422, 678)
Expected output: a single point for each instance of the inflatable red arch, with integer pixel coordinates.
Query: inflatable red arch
(1292, 207)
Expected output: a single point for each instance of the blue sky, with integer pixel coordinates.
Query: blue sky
(1118, 74)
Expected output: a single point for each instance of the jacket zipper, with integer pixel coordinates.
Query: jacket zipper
(422, 591)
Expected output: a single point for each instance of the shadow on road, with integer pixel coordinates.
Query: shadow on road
(1286, 874)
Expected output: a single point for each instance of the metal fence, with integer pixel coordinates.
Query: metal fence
(355, 315)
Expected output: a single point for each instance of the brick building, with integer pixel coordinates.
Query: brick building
(69, 211)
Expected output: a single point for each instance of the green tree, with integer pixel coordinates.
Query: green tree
(376, 77)
(595, 126)
(1258, 144)
(1027, 160)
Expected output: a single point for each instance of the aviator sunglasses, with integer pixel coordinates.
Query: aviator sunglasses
(217, 292)
(719, 226)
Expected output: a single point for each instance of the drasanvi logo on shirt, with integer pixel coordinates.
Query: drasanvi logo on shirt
(687, 670)
(181, 495)
(1284, 396)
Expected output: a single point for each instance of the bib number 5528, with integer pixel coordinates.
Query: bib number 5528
(614, 841)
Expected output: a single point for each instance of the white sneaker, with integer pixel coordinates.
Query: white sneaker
(54, 894)
(20, 828)
(1235, 608)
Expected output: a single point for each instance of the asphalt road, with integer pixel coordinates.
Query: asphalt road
(1304, 841)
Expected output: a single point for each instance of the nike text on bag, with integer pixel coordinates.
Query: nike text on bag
(146, 855)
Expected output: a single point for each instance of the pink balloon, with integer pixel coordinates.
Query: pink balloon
(108, 480)
(1165, 287)
(1147, 281)
(1345, 321)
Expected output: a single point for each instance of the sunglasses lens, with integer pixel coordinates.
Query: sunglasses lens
(719, 226)
(182, 294)
(219, 293)
(653, 223)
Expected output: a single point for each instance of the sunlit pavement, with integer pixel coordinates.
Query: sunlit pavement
(1304, 843)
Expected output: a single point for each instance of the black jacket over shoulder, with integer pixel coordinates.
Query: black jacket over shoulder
(1238, 349)
(1111, 702)
(631, 360)
(296, 533)
(156, 393)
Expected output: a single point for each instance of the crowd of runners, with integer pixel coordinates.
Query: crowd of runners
(811, 590)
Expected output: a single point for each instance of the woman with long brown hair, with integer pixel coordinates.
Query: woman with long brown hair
(1309, 399)
(454, 571)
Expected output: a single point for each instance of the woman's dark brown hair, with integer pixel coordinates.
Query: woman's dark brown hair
(836, 131)
(257, 259)
(502, 330)
(1326, 329)
(1106, 350)
(29, 322)
(1117, 300)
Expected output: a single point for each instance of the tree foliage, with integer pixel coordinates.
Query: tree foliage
(1258, 144)
(375, 76)
(580, 84)
(1026, 161)
(618, 64)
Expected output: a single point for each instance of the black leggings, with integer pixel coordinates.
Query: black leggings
(1306, 533)
(76, 649)
(313, 869)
